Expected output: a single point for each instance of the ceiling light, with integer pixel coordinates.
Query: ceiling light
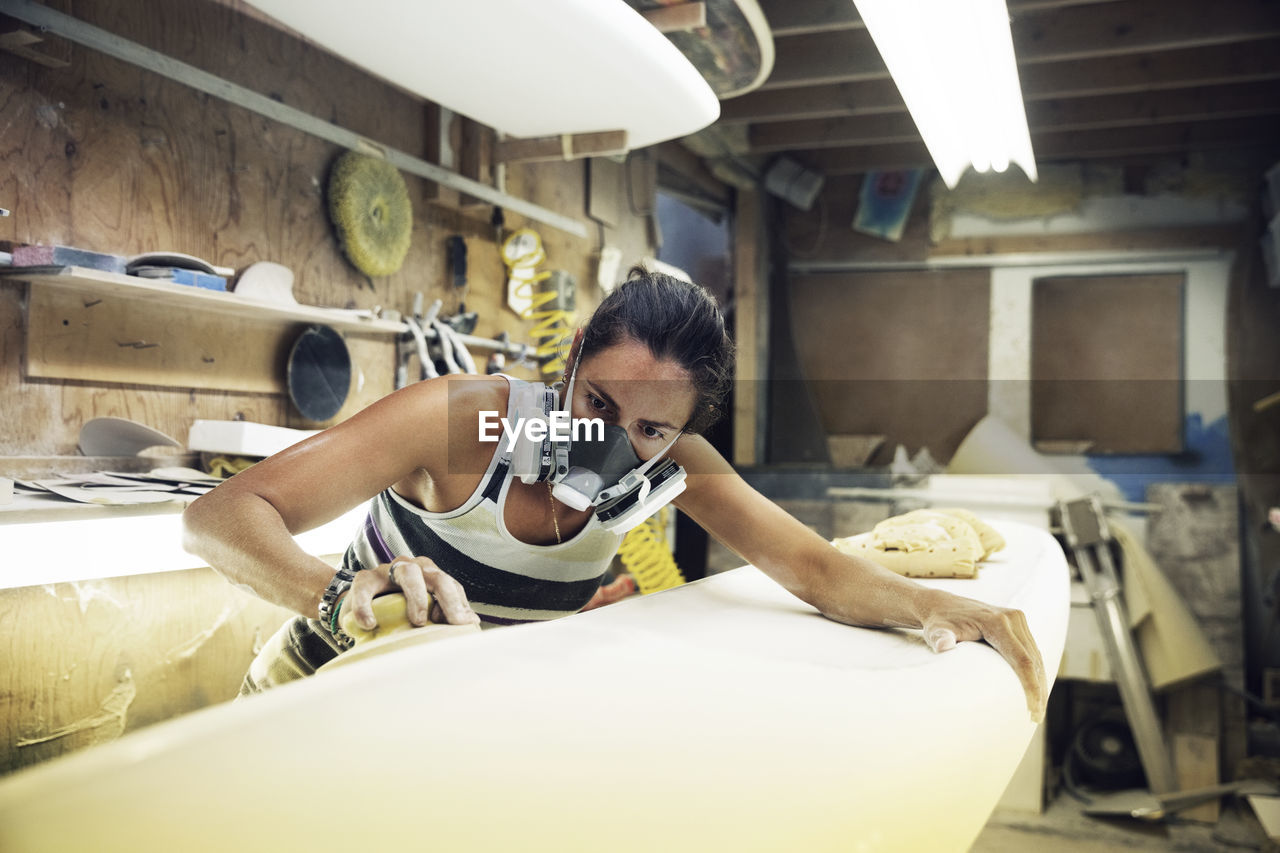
(953, 62)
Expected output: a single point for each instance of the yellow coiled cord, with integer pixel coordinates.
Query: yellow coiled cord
(647, 556)
(522, 252)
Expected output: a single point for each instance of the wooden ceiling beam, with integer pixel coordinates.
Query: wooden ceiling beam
(1252, 132)
(1076, 32)
(833, 132)
(836, 99)
(1139, 72)
(1200, 104)
(1141, 25)
(836, 57)
(1166, 69)
(801, 17)
(867, 158)
(1158, 139)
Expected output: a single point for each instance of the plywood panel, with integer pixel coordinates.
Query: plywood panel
(71, 336)
(1106, 363)
(900, 354)
(43, 417)
(749, 308)
(110, 157)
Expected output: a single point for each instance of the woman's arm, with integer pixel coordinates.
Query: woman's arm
(845, 588)
(244, 528)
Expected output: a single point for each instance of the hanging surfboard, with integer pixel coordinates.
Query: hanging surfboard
(733, 51)
(526, 69)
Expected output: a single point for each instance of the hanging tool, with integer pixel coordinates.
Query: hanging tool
(1089, 538)
(498, 361)
(460, 352)
(445, 341)
(547, 298)
(463, 321)
(414, 342)
(432, 338)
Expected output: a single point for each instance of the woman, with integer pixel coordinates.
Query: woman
(447, 516)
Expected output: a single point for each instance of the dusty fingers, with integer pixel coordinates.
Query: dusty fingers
(359, 600)
(406, 573)
(1008, 633)
(426, 584)
(1004, 630)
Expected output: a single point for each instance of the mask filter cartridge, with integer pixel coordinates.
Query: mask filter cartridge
(593, 465)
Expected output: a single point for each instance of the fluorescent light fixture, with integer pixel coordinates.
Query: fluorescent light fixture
(953, 62)
(125, 545)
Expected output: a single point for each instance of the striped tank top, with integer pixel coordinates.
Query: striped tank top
(507, 581)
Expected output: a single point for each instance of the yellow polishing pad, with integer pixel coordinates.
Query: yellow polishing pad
(390, 610)
(393, 632)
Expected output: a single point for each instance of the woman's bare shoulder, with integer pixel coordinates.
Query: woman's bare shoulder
(472, 394)
(446, 399)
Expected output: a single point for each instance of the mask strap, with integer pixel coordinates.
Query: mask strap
(566, 404)
(655, 458)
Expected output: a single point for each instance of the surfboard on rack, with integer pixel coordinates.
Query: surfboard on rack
(733, 51)
(725, 714)
(528, 69)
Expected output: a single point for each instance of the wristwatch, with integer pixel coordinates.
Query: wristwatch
(329, 602)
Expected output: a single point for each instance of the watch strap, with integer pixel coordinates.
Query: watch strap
(328, 610)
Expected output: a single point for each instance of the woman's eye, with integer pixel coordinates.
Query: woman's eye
(651, 432)
(596, 403)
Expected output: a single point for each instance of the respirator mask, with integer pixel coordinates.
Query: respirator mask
(589, 470)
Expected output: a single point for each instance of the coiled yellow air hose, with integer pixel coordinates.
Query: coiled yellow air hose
(522, 252)
(647, 556)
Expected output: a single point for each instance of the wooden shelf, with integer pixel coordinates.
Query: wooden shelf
(99, 283)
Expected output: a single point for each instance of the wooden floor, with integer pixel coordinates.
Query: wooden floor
(1064, 829)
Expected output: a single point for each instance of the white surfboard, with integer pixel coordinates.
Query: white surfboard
(722, 715)
(526, 68)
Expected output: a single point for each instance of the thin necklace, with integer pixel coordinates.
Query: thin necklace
(551, 498)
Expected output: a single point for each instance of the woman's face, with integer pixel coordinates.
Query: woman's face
(626, 386)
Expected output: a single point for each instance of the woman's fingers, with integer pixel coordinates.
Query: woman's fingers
(359, 600)
(1008, 634)
(407, 574)
(430, 594)
(450, 597)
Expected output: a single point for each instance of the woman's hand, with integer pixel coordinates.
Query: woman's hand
(621, 588)
(430, 594)
(953, 618)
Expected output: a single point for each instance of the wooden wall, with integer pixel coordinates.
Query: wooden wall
(1253, 359)
(900, 354)
(917, 312)
(106, 156)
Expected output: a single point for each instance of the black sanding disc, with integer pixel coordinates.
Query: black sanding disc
(319, 376)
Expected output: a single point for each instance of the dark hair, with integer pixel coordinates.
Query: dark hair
(677, 320)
